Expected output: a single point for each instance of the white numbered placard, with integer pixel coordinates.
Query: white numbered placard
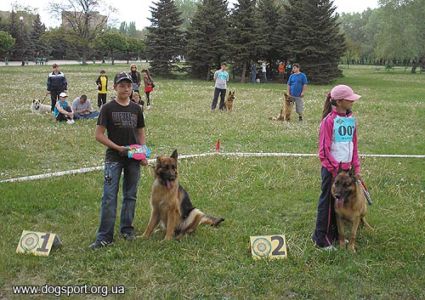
(269, 246)
(37, 243)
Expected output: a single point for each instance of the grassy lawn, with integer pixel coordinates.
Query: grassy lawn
(256, 196)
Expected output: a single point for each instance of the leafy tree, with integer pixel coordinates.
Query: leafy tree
(132, 31)
(187, 9)
(123, 28)
(6, 43)
(244, 35)
(165, 38)
(112, 42)
(82, 20)
(135, 48)
(208, 37)
(314, 39)
(401, 32)
(359, 30)
(60, 44)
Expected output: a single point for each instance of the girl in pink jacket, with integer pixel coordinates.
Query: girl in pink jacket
(337, 148)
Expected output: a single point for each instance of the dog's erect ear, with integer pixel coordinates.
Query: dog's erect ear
(174, 154)
(33, 101)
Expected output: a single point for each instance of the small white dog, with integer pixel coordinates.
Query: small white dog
(37, 107)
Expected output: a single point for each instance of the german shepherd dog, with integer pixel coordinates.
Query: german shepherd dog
(350, 206)
(229, 101)
(171, 205)
(285, 112)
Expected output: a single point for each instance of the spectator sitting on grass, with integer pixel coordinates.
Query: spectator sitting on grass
(82, 108)
(62, 111)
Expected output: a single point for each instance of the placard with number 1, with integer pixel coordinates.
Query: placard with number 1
(37, 243)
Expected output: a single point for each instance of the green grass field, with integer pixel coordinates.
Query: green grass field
(256, 196)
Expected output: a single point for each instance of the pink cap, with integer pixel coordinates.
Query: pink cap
(343, 92)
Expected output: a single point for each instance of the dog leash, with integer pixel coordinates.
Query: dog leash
(43, 99)
(365, 191)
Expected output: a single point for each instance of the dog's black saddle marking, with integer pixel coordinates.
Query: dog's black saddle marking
(186, 205)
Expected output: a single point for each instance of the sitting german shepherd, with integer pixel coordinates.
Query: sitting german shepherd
(350, 206)
(171, 205)
(285, 112)
(229, 101)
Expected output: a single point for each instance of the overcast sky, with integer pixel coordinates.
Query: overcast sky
(138, 10)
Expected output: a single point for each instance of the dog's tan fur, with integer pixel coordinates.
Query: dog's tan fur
(350, 206)
(287, 107)
(229, 101)
(171, 205)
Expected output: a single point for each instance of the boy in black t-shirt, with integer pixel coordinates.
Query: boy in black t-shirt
(123, 120)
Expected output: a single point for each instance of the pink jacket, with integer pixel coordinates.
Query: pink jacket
(339, 144)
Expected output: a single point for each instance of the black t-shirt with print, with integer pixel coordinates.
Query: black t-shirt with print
(122, 124)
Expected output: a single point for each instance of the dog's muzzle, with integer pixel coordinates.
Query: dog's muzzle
(339, 202)
(168, 180)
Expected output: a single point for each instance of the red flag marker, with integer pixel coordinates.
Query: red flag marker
(217, 146)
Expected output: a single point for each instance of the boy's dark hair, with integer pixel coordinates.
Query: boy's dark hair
(223, 64)
(296, 65)
(102, 72)
(55, 65)
(84, 97)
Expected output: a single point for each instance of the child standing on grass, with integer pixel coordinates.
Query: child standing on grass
(337, 148)
(123, 120)
(297, 83)
(149, 85)
(102, 87)
(221, 78)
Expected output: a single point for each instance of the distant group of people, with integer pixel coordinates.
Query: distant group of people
(136, 82)
(81, 107)
(264, 72)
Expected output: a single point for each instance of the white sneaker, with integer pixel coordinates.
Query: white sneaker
(328, 248)
(70, 121)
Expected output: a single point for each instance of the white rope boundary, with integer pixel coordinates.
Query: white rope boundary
(238, 154)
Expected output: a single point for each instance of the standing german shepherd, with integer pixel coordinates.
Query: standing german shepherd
(285, 112)
(229, 101)
(171, 205)
(350, 206)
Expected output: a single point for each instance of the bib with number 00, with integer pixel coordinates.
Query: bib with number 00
(268, 246)
(37, 243)
(344, 129)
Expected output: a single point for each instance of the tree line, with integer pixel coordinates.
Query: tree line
(393, 34)
(203, 33)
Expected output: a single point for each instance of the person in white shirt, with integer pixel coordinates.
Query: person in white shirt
(221, 78)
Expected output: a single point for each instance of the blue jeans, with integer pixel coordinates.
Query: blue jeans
(108, 208)
(91, 115)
